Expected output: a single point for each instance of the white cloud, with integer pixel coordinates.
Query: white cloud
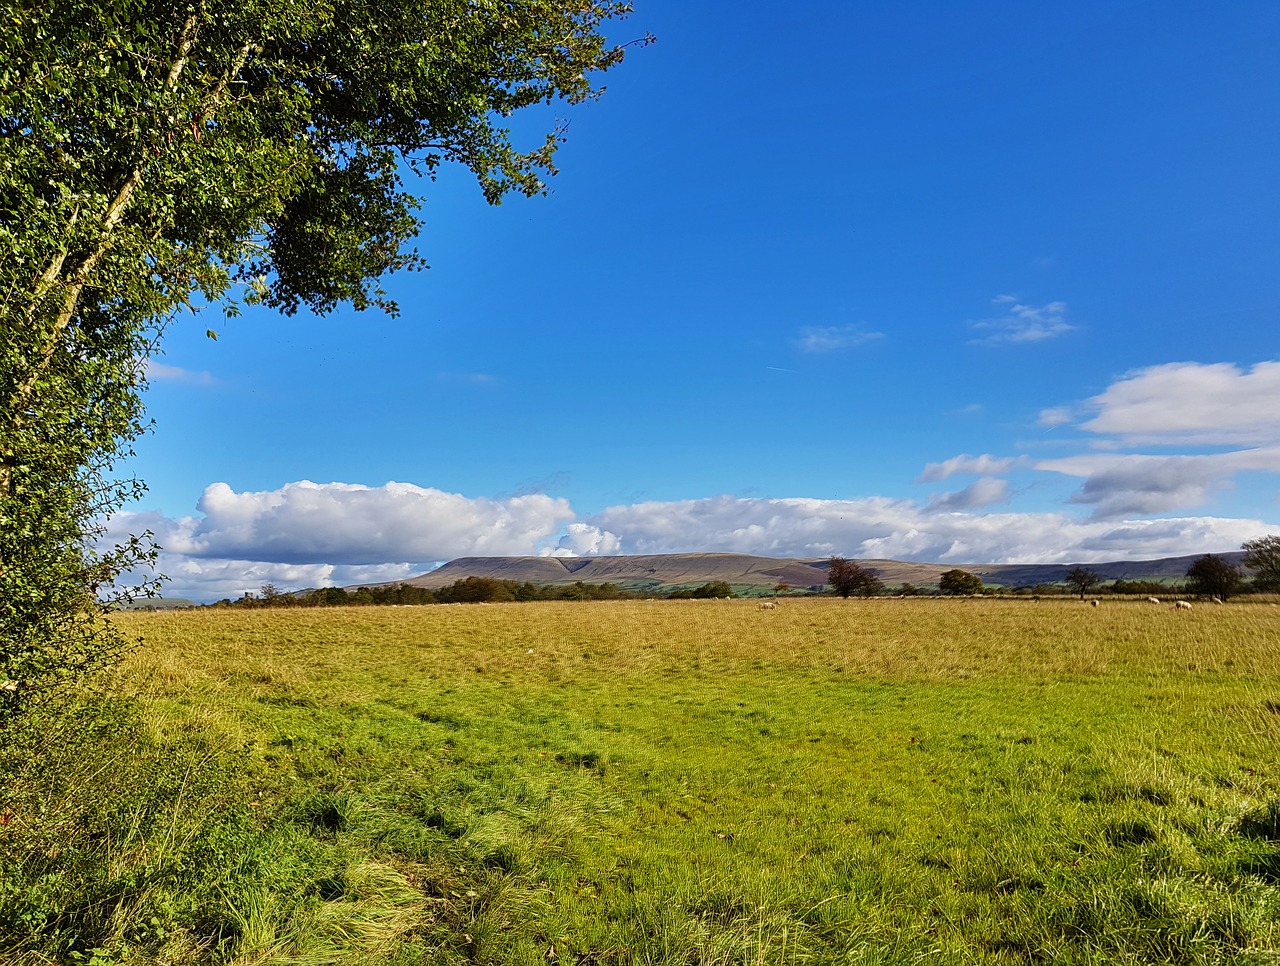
(310, 534)
(1124, 484)
(1178, 404)
(159, 372)
(356, 524)
(832, 338)
(1144, 484)
(1057, 416)
(467, 378)
(1022, 323)
(984, 465)
(903, 530)
(585, 540)
(1186, 403)
(983, 492)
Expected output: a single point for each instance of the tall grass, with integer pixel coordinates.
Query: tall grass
(669, 782)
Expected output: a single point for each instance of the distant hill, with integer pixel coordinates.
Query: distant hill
(664, 571)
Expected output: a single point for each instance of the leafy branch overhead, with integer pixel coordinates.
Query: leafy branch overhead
(266, 138)
(160, 156)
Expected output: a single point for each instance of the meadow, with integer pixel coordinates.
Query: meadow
(660, 782)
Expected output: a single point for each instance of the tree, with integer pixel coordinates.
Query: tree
(477, 590)
(161, 157)
(960, 583)
(848, 578)
(1262, 556)
(273, 596)
(714, 590)
(1144, 588)
(708, 591)
(1213, 577)
(1081, 579)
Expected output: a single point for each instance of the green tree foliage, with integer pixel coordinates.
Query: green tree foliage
(163, 156)
(850, 579)
(1146, 588)
(709, 591)
(1262, 557)
(1080, 579)
(714, 590)
(1213, 577)
(468, 590)
(960, 582)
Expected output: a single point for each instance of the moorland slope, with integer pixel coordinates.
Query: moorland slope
(678, 569)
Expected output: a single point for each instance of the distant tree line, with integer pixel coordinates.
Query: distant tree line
(1208, 576)
(468, 590)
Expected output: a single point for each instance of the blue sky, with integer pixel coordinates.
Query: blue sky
(957, 282)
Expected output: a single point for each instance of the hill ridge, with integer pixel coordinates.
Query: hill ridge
(664, 570)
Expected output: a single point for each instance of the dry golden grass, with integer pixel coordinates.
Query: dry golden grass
(914, 639)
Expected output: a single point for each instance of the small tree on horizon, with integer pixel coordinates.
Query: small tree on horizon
(1081, 579)
(848, 578)
(960, 583)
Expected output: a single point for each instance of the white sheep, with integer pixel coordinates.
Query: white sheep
(1153, 600)
(1181, 605)
(1093, 603)
(767, 605)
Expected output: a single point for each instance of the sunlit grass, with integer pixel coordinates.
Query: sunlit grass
(706, 782)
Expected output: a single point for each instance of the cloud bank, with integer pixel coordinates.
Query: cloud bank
(309, 534)
(312, 534)
(1185, 403)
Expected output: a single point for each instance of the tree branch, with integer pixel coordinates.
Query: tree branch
(20, 398)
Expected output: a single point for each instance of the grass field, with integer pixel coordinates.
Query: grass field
(700, 782)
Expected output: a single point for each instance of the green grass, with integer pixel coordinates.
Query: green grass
(696, 782)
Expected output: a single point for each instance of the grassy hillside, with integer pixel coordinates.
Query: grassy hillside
(890, 781)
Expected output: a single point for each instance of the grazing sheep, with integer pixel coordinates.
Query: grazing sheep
(1217, 600)
(1153, 600)
(1181, 605)
(1093, 603)
(767, 605)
